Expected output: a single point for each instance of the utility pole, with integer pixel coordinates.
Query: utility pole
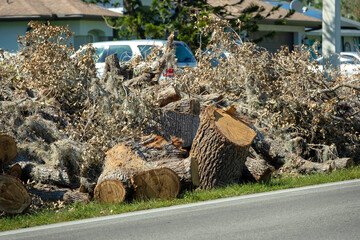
(331, 32)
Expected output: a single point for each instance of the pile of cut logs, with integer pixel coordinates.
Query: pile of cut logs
(199, 142)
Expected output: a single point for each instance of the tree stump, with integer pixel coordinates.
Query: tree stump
(14, 198)
(8, 149)
(220, 148)
(162, 183)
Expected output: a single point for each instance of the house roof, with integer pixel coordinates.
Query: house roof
(317, 13)
(39, 9)
(295, 19)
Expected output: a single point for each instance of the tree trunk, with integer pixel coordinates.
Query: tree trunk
(257, 170)
(161, 183)
(8, 150)
(220, 148)
(14, 198)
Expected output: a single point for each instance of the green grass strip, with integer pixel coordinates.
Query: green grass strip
(93, 209)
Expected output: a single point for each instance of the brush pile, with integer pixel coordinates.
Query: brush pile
(243, 114)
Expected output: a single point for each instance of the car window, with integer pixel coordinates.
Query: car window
(183, 53)
(145, 50)
(124, 52)
(345, 59)
(99, 54)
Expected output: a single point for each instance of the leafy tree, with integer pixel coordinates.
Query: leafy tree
(184, 17)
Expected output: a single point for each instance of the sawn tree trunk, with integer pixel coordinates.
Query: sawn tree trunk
(219, 149)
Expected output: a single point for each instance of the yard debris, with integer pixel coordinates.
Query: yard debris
(253, 116)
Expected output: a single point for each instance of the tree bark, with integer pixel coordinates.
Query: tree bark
(164, 94)
(52, 193)
(14, 198)
(220, 148)
(185, 105)
(44, 174)
(257, 170)
(342, 163)
(180, 125)
(113, 69)
(305, 166)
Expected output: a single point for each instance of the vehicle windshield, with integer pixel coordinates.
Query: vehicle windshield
(124, 52)
(182, 53)
(99, 51)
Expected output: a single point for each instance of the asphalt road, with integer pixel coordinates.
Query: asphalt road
(328, 211)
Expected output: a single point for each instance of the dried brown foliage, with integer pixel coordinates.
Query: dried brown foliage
(283, 91)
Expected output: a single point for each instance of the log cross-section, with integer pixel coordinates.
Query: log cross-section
(219, 149)
(14, 198)
(8, 149)
(161, 183)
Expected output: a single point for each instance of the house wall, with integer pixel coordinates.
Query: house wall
(285, 35)
(85, 31)
(9, 32)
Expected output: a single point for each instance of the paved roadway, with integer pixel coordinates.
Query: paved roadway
(328, 211)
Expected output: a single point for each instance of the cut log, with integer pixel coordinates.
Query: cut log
(162, 183)
(76, 197)
(180, 166)
(129, 158)
(305, 166)
(185, 105)
(257, 170)
(342, 163)
(15, 170)
(164, 94)
(121, 163)
(44, 174)
(220, 148)
(110, 191)
(8, 149)
(14, 198)
(52, 193)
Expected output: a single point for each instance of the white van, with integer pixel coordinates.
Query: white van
(128, 49)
